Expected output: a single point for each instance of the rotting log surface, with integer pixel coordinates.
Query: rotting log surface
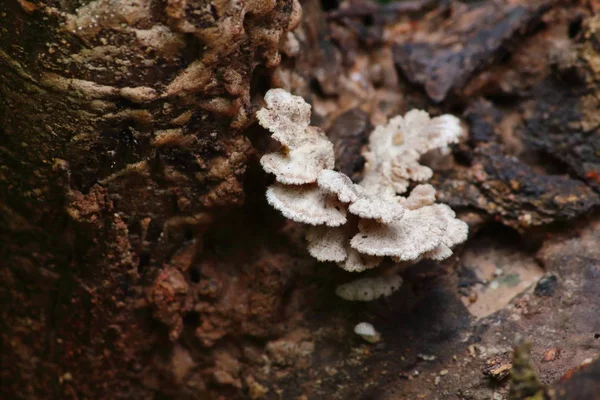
(139, 259)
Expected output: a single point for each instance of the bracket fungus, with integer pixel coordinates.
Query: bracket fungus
(356, 225)
(305, 150)
(339, 184)
(327, 244)
(307, 204)
(395, 148)
(367, 289)
(418, 232)
(420, 196)
(380, 209)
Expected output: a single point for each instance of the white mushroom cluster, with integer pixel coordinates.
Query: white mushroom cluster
(357, 225)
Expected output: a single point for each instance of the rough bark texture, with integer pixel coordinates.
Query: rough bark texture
(138, 258)
(120, 142)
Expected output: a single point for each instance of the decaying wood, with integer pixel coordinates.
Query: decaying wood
(445, 53)
(139, 258)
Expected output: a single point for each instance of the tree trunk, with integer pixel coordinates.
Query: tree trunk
(120, 141)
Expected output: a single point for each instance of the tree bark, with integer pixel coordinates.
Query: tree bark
(120, 141)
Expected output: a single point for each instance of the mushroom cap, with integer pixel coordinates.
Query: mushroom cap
(441, 131)
(327, 244)
(367, 332)
(423, 133)
(405, 169)
(356, 262)
(377, 184)
(332, 244)
(395, 148)
(440, 253)
(286, 116)
(382, 149)
(382, 209)
(418, 231)
(339, 184)
(421, 196)
(367, 289)
(457, 231)
(365, 328)
(307, 204)
(302, 164)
